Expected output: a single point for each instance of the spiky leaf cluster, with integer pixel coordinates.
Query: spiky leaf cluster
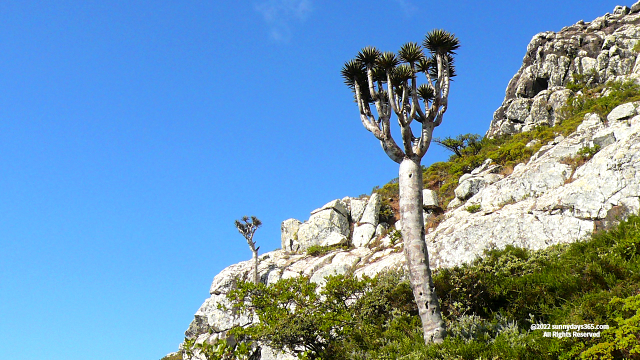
(410, 52)
(247, 228)
(426, 92)
(388, 60)
(441, 42)
(368, 56)
(400, 71)
(352, 71)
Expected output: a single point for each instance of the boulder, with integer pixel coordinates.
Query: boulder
(357, 209)
(381, 229)
(604, 138)
(590, 120)
(621, 10)
(471, 184)
(430, 199)
(469, 187)
(289, 235)
(325, 227)
(362, 234)
(337, 205)
(372, 210)
(623, 112)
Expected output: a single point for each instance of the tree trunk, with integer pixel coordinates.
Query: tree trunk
(415, 250)
(255, 267)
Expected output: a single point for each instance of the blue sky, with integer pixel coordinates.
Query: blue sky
(133, 134)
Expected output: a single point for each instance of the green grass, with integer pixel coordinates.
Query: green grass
(318, 250)
(474, 208)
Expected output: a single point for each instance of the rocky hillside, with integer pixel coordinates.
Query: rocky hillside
(571, 187)
(595, 52)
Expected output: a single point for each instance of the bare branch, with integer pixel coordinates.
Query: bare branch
(392, 96)
(366, 117)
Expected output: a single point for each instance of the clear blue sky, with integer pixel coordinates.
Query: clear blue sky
(133, 133)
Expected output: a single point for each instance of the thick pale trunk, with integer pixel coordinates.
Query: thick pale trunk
(255, 267)
(415, 250)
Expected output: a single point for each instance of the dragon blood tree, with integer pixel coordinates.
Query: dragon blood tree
(389, 82)
(248, 228)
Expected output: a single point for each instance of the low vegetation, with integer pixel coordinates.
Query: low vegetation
(319, 250)
(474, 208)
(489, 306)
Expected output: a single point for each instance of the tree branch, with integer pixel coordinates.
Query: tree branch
(392, 96)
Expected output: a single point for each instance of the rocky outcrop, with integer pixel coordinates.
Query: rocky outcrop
(478, 179)
(593, 53)
(547, 201)
(331, 225)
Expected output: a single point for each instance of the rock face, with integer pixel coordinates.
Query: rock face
(331, 225)
(594, 53)
(549, 200)
(546, 201)
(478, 179)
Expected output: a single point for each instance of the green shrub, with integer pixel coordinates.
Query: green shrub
(319, 250)
(591, 101)
(588, 152)
(474, 208)
(623, 339)
(347, 317)
(395, 236)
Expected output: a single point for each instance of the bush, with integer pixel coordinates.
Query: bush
(347, 316)
(474, 208)
(623, 339)
(174, 356)
(319, 250)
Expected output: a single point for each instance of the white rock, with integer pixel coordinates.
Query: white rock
(623, 112)
(371, 211)
(604, 138)
(337, 205)
(289, 235)
(334, 239)
(329, 270)
(469, 187)
(381, 229)
(590, 120)
(323, 227)
(362, 234)
(621, 10)
(430, 199)
(357, 209)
